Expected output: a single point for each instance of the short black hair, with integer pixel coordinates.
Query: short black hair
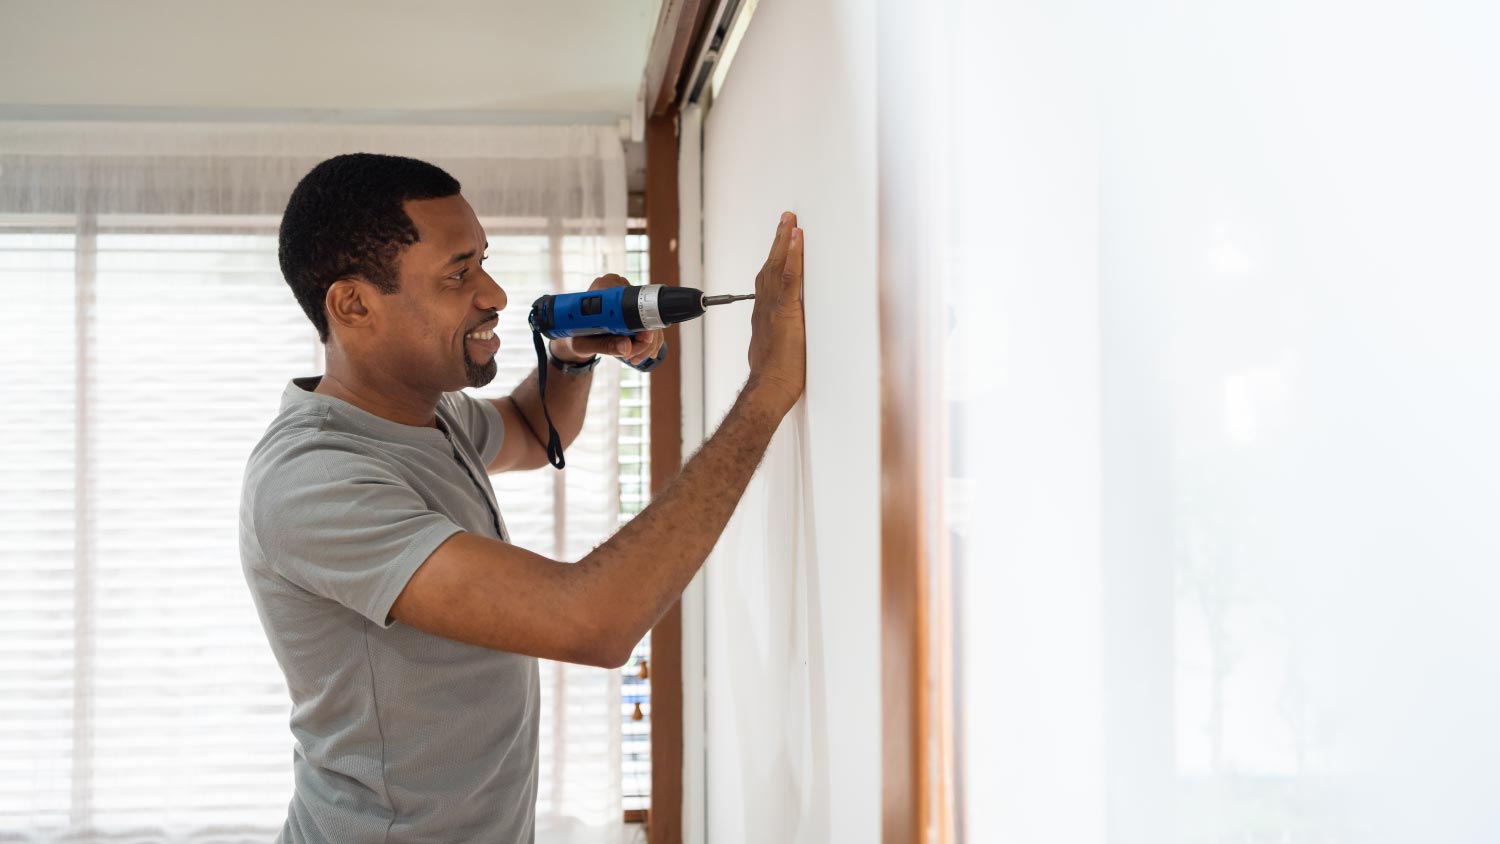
(345, 218)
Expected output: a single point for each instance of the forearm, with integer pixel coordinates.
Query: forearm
(634, 577)
(567, 400)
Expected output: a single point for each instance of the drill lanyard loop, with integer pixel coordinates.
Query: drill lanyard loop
(554, 443)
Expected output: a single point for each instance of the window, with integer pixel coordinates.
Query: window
(138, 371)
(142, 359)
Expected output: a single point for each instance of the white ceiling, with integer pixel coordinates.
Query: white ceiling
(565, 60)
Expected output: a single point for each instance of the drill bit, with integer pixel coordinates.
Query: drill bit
(725, 299)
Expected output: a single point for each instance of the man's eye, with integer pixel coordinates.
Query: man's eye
(459, 276)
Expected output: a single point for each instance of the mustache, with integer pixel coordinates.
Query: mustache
(494, 315)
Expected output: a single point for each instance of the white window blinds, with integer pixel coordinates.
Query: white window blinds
(145, 340)
(140, 691)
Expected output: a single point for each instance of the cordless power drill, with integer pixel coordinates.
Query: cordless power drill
(613, 310)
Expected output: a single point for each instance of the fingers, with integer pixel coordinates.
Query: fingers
(640, 347)
(599, 344)
(764, 281)
(791, 273)
(644, 346)
(635, 348)
(782, 240)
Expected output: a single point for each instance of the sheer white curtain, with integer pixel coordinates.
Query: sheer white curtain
(145, 337)
(1221, 351)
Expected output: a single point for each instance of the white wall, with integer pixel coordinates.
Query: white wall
(1221, 366)
(1225, 379)
(792, 613)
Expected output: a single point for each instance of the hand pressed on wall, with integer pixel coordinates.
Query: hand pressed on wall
(778, 340)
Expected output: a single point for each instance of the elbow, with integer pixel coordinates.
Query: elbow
(613, 658)
(602, 654)
(613, 649)
(605, 629)
(603, 646)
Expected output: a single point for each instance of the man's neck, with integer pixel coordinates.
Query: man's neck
(378, 400)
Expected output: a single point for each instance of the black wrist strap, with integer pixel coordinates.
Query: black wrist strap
(554, 443)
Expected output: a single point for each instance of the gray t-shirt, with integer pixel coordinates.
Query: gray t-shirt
(401, 736)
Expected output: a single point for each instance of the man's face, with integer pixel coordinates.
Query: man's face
(444, 296)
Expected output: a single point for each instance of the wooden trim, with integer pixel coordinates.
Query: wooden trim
(917, 740)
(902, 593)
(678, 29)
(664, 819)
(635, 815)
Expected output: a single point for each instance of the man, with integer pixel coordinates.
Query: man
(406, 624)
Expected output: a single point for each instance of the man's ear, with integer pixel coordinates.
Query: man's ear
(345, 302)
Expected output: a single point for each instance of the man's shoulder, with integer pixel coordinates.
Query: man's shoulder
(300, 475)
(300, 450)
(291, 437)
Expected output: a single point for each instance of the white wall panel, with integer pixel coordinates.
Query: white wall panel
(792, 608)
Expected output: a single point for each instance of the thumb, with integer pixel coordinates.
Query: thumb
(601, 344)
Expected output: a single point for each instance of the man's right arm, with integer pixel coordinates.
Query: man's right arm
(488, 593)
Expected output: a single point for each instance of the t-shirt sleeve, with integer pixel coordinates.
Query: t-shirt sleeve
(482, 423)
(343, 524)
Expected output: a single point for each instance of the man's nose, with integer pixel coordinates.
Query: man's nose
(494, 297)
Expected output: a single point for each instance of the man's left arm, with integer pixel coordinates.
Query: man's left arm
(525, 443)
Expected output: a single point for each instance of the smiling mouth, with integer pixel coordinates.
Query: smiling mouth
(486, 341)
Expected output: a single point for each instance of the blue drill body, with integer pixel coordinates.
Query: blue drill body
(582, 314)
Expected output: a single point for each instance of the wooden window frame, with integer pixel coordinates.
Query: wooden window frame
(678, 35)
(664, 816)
